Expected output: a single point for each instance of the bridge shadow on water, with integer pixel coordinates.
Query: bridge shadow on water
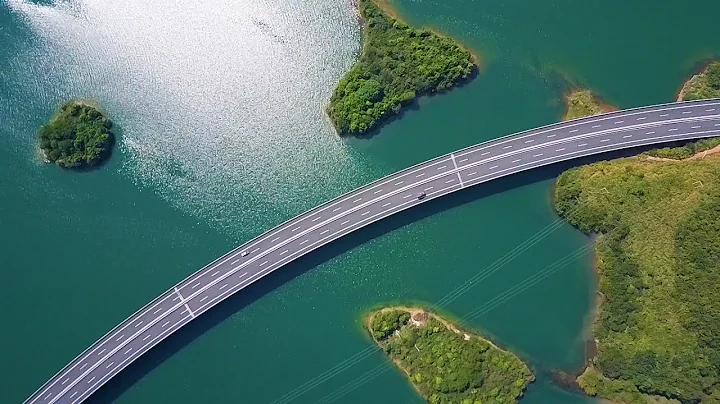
(202, 324)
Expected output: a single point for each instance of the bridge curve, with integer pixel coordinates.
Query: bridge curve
(306, 232)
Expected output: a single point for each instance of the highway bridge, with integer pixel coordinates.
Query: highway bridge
(266, 253)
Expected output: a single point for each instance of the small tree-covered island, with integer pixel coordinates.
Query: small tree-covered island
(398, 63)
(445, 364)
(78, 136)
(657, 217)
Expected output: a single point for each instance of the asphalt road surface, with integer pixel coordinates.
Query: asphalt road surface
(296, 237)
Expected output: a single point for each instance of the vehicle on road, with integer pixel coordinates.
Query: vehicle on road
(421, 196)
(244, 253)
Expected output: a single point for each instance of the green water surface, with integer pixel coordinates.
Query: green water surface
(223, 135)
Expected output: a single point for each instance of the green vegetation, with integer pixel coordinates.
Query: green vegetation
(582, 103)
(447, 366)
(704, 85)
(398, 64)
(78, 136)
(658, 260)
(686, 151)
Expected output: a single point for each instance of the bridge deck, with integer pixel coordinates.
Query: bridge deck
(437, 177)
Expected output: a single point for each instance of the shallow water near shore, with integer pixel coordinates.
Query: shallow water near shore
(220, 104)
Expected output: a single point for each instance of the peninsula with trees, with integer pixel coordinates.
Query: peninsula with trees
(444, 363)
(78, 136)
(398, 64)
(657, 217)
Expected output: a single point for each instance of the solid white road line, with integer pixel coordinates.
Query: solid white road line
(282, 261)
(225, 261)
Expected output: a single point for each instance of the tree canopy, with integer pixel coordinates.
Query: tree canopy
(658, 328)
(397, 64)
(78, 136)
(448, 367)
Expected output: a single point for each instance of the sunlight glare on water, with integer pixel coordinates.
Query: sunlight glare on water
(220, 103)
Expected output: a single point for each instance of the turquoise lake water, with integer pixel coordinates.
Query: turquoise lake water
(223, 135)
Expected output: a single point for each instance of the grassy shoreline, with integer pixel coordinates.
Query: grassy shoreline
(445, 363)
(580, 103)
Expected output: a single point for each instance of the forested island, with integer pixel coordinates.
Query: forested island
(78, 136)
(658, 261)
(398, 63)
(445, 364)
